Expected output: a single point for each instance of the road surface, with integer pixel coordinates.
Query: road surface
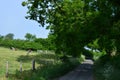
(82, 72)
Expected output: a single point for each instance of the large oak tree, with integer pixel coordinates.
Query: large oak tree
(79, 23)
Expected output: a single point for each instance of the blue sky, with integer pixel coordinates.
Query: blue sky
(12, 20)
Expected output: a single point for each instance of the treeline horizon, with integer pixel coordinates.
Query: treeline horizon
(21, 37)
(30, 42)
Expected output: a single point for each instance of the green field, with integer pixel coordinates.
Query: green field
(13, 63)
(15, 57)
(48, 66)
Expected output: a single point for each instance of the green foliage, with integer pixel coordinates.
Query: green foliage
(79, 24)
(62, 19)
(30, 37)
(24, 3)
(107, 68)
(82, 58)
(76, 24)
(37, 44)
(9, 36)
(97, 54)
(1, 37)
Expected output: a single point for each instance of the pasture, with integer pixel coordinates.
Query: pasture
(47, 65)
(15, 57)
(13, 64)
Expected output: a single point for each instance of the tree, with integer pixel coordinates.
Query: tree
(42, 42)
(50, 40)
(9, 36)
(57, 16)
(1, 37)
(105, 21)
(78, 23)
(30, 37)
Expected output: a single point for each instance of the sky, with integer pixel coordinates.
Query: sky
(12, 20)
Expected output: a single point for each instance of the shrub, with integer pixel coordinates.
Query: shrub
(23, 44)
(107, 68)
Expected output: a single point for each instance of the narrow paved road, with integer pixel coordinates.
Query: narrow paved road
(82, 72)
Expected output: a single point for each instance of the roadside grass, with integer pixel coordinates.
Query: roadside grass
(48, 66)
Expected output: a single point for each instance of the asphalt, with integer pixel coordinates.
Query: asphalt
(83, 72)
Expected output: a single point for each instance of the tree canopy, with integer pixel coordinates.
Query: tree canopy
(30, 37)
(79, 23)
(9, 36)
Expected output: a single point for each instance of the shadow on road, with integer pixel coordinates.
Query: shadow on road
(82, 72)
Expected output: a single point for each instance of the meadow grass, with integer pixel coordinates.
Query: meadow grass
(48, 65)
(13, 62)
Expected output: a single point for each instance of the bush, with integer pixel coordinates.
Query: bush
(107, 68)
(23, 44)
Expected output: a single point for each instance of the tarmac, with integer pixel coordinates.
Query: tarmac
(83, 72)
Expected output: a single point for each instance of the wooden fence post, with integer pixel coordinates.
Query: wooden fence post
(6, 75)
(20, 66)
(33, 64)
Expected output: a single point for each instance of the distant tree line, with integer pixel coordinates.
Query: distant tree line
(30, 42)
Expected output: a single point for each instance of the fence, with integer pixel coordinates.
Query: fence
(33, 67)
